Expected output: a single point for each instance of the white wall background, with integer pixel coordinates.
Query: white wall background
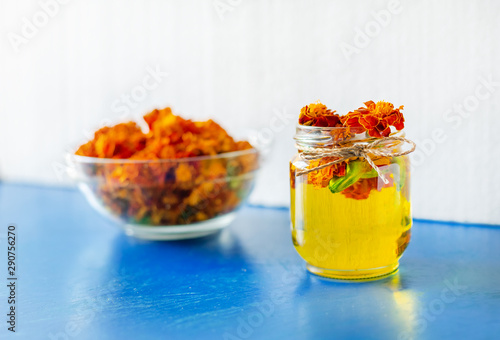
(255, 59)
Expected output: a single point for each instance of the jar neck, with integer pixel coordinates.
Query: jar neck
(317, 137)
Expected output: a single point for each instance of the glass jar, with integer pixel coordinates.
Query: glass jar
(347, 222)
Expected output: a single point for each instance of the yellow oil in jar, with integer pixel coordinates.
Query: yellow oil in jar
(346, 238)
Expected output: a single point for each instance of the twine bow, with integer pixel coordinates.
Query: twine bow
(356, 150)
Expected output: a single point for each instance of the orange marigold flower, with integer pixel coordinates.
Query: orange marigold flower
(361, 189)
(321, 178)
(119, 141)
(375, 118)
(169, 193)
(317, 114)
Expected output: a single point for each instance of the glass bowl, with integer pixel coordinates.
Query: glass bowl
(168, 199)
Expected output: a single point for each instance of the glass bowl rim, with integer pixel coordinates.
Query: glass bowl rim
(97, 160)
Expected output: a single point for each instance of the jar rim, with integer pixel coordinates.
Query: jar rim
(319, 128)
(325, 136)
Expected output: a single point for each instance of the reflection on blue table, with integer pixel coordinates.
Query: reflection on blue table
(80, 277)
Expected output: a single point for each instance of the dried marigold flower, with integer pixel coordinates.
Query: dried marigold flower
(169, 193)
(361, 189)
(317, 114)
(119, 141)
(376, 119)
(322, 177)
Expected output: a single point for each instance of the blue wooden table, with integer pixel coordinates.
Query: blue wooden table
(80, 277)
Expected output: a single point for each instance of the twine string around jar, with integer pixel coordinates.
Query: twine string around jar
(357, 150)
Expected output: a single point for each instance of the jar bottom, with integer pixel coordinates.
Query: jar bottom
(355, 275)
